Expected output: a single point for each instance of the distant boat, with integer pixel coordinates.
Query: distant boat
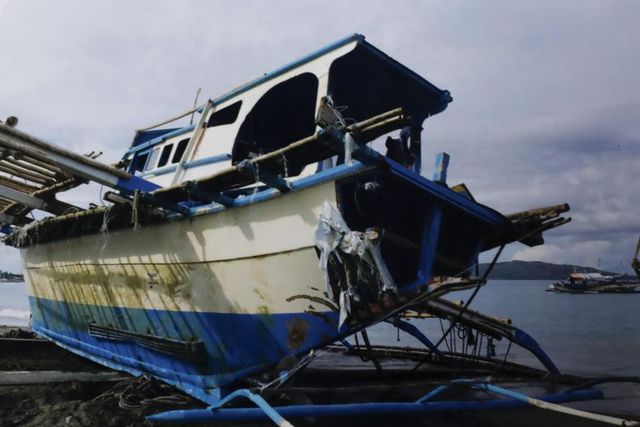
(597, 283)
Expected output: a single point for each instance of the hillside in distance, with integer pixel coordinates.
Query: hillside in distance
(536, 270)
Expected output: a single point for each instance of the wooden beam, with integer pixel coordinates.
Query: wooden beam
(22, 198)
(17, 185)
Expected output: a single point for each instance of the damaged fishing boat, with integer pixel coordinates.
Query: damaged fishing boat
(245, 234)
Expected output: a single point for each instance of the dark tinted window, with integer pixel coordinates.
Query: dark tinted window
(284, 114)
(164, 157)
(226, 116)
(138, 162)
(177, 155)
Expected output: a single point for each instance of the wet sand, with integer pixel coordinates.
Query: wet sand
(74, 403)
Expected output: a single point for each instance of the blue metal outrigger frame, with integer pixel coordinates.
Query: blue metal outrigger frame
(264, 411)
(422, 405)
(509, 399)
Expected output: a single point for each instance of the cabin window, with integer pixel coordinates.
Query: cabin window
(138, 162)
(152, 159)
(164, 157)
(226, 116)
(284, 114)
(180, 149)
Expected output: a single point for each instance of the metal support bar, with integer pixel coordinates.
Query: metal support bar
(157, 201)
(359, 409)
(271, 179)
(415, 332)
(22, 198)
(528, 400)
(267, 409)
(492, 327)
(193, 188)
(527, 342)
(337, 140)
(429, 244)
(193, 143)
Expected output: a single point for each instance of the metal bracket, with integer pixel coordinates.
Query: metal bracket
(193, 188)
(269, 178)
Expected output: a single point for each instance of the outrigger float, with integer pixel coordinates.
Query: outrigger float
(248, 235)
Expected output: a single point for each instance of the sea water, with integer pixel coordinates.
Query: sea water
(14, 305)
(590, 334)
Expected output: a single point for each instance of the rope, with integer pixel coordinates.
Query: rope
(466, 305)
(143, 392)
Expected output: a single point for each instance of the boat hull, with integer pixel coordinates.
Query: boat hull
(215, 280)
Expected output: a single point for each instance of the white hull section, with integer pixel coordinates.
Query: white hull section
(249, 260)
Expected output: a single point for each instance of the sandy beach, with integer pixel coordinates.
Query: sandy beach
(119, 400)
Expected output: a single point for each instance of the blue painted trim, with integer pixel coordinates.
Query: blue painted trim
(6, 229)
(527, 342)
(188, 165)
(130, 185)
(429, 242)
(161, 171)
(159, 140)
(416, 333)
(237, 344)
(332, 174)
(450, 197)
(207, 160)
(368, 408)
(258, 400)
(279, 71)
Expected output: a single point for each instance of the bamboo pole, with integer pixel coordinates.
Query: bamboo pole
(30, 167)
(17, 185)
(10, 169)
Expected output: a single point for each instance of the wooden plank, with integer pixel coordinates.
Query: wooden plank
(22, 198)
(8, 378)
(17, 185)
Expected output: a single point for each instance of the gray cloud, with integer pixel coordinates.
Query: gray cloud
(545, 94)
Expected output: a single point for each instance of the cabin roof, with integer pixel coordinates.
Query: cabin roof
(422, 97)
(360, 42)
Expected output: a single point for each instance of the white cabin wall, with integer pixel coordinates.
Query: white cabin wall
(219, 140)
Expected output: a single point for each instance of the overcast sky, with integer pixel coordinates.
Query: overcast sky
(546, 94)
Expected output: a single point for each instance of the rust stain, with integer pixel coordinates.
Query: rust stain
(315, 299)
(296, 332)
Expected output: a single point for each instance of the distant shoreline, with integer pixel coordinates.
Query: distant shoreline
(538, 270)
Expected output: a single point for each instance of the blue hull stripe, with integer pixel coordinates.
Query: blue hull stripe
(236, 344)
